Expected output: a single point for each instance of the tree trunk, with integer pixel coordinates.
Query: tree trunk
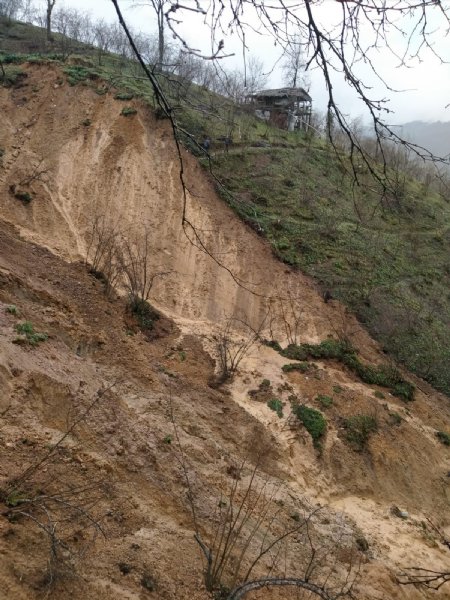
(160, 36)
(50, 6)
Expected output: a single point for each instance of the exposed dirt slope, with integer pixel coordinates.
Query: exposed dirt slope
(127, 168)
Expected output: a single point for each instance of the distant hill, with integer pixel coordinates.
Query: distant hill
(433, 136)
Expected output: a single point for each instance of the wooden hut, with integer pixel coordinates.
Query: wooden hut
(287, 108)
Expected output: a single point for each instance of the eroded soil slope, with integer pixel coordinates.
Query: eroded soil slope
(121, 461)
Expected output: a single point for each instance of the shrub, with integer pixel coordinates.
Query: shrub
(273, 344)
(31, 337)
(127, 111)
(86, 122)
(9, 59)
(12, 310)
(358, 430)
(23, 196)
(337, 389)
(379, 394)
(124, 96)
(396, 419)
(76, 74)
(277, 406)
(383, 375)
(12, 76)
(325, 401)
(303, 367)
(443, 437)
(25, 328)
(313, 420)
(145, 314)
(329, 348)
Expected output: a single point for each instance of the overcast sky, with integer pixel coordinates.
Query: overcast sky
(426, 83)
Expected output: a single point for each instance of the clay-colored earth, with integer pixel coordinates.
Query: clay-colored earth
(121, 461)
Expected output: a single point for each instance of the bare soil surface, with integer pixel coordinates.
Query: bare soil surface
(115, 487)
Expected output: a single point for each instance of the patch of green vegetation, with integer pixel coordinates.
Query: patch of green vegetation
(15, 498)
(124, 96)
(395, 418)
(182, 355)
(272, 344)
(264, 385)
(23, 196)
(325, 401)
(337, 389)
(313, 420)
(144, 313)
(128, 111)
(383, 375)
(379, 395)
(77, 74)
(86, 122)
(165, 370)
(12, 310)
(443, 437)
(167, 439)
(358, 430)
(329, 348)
(303, 367)
(12, 76)
(31, 337)
(9, 59)
(276, 405)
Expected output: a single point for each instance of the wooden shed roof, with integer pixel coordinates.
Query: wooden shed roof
(287, 92)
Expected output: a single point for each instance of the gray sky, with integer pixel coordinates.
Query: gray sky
(426, 83)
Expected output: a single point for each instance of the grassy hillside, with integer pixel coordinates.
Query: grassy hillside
(387, 257)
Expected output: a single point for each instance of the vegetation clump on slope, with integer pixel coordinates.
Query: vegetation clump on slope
(383, 375)
(313, 420)
(358, 430)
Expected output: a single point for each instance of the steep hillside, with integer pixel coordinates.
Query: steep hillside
(386, 255)
(120, 473)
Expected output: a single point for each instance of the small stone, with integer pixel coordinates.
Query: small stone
(401, 514)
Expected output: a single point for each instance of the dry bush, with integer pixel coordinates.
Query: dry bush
(232, 344)
(136, 265)
(47, 494)
(103, 252)
(256, 539)
(122, 257)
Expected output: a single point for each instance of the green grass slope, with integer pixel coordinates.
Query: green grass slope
(388, 259)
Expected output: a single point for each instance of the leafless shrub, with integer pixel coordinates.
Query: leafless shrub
(255, 541)
(67, 517)
(136, 265)
(49, 498)
(103, 253)
(285, 318)
(232, 345)
(261, 536)
(35, 174)
(428, 578)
